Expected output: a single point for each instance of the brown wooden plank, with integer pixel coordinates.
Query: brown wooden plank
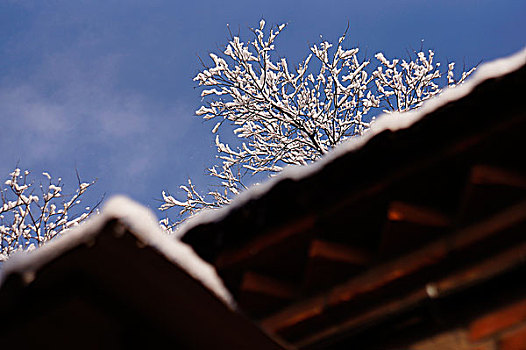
(370, 281)
(385, 274)
(479, 272)
(236, 256)
(409, 226)
(383, 310)
(490, 175)
(477, 232)
(485, 270)
(256, 283)
(338, 252)
(261, 295)
(489, 190)
(406, 212)
(331, 263)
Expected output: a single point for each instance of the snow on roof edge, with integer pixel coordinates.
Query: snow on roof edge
(393, 122)
(143, 224)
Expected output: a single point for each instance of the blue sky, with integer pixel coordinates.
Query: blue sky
(106, 86)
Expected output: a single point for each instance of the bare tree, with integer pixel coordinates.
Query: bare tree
(29, 219)
(286, 115)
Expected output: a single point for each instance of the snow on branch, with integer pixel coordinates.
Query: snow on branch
(30, 218)
(404, 85)
(284, 115)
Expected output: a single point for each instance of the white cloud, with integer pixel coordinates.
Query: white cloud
(73, 112)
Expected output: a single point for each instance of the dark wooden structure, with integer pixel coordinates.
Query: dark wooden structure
(415, 240)
(116, 292)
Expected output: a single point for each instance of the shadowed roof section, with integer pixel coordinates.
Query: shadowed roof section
(392, 233)
(118, 281)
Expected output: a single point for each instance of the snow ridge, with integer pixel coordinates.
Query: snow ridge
(143, 224)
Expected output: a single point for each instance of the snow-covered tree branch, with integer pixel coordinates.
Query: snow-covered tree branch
(285, 115)
(403, 85)
(30, 218)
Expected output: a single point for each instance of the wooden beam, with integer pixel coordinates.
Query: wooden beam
(468, 277)
(489, 190)
(331, 263)
(489, 175)
(370, 281)
(261, 243)
(405, 212)
(338, 253)
(261, 295)
(510, 217)
(256, 283)
(409, 226)
(385, 274)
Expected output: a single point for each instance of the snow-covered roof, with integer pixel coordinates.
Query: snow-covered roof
(392, 121)
(143, 224)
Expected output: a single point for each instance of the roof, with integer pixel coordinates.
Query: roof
(119, 280)
(428, 206)
(143, 225)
